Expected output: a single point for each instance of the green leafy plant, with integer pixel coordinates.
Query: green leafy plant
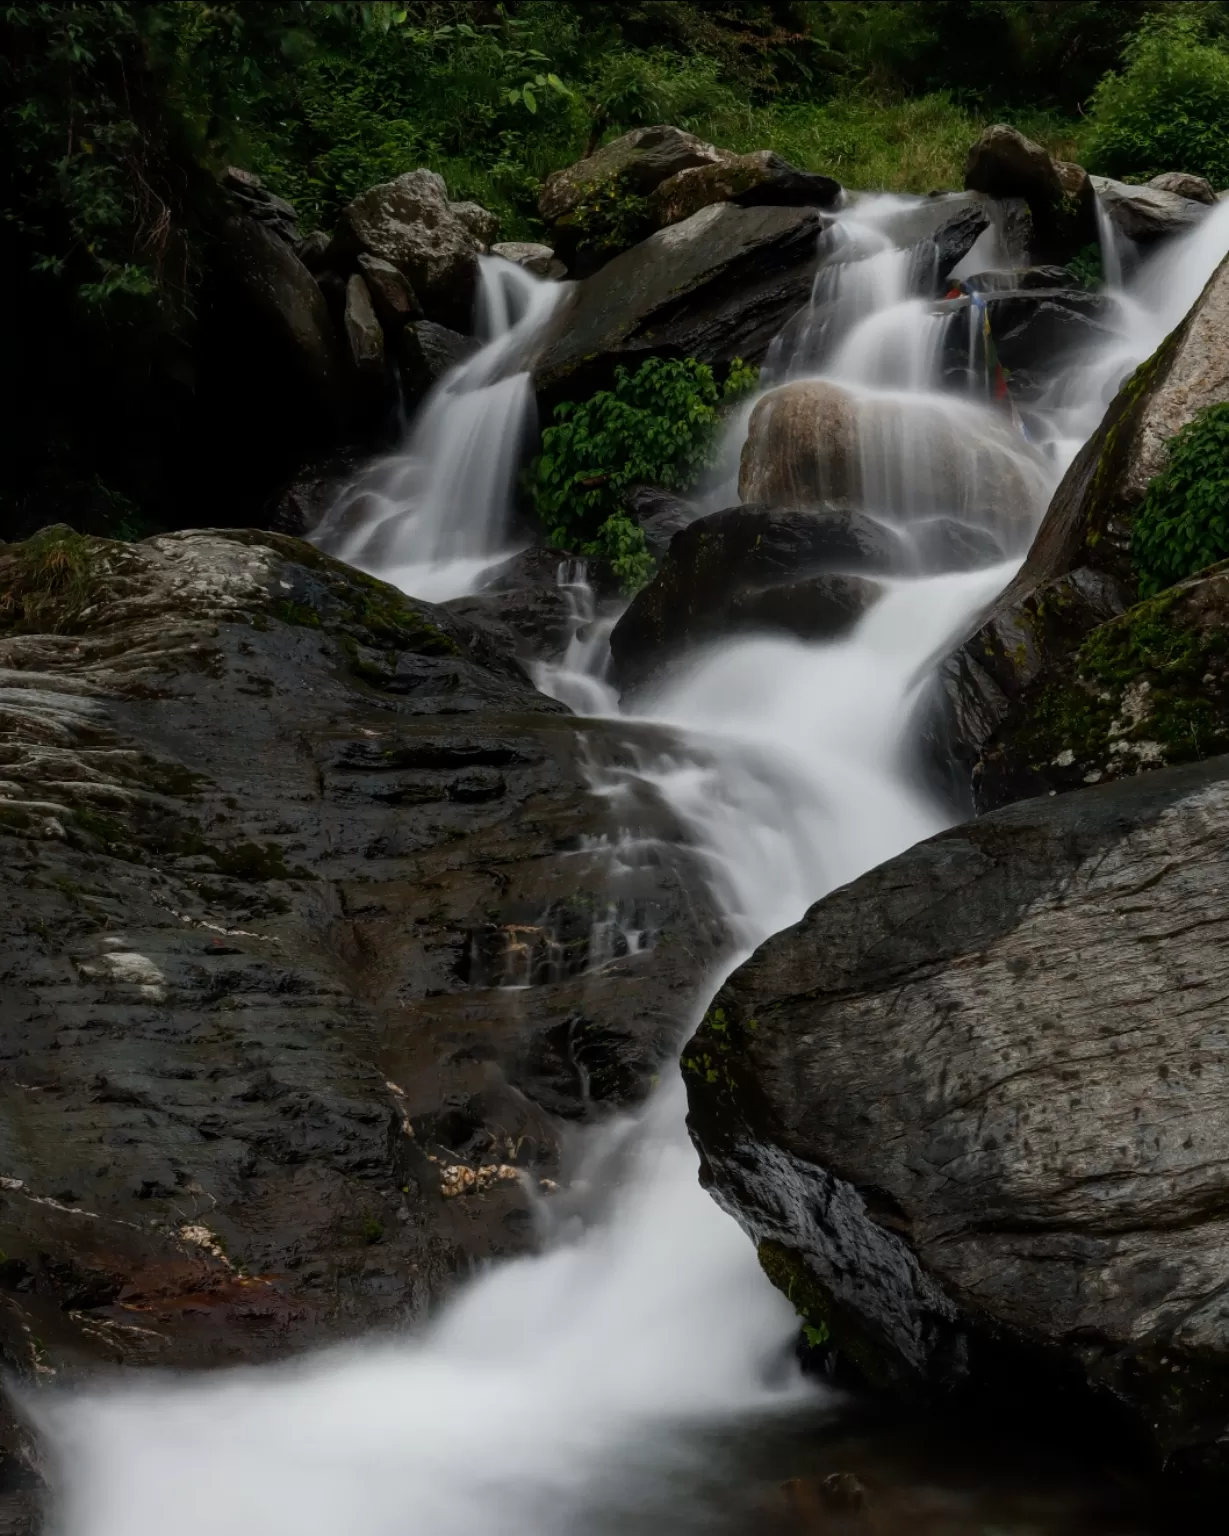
(1183, 525)
(1087, 267)
(657, 426)
(1168, 109)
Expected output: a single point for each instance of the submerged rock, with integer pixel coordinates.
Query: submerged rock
(278, 842)
(815, 442)
(971, 1128)
(800, 571)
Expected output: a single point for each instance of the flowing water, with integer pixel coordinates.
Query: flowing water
(638, 1375)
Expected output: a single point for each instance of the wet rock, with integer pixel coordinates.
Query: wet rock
(813, 442)
(659, 514)
(275, 840)
(971, 1130)
(410, 223)
(956, 237)
(717, 286)
(1197, 188)
(426, 352)
(285, 302)
(1036, 331)
(1003, 163)
(365, 339)
(1146, 215)
(394, 300)
(751, 568)
(538, 259)
(523, 606)
(760, 178)
(640, 160)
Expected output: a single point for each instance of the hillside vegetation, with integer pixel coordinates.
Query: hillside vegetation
(117, 117)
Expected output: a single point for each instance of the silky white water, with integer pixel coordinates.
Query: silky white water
(564, 1393)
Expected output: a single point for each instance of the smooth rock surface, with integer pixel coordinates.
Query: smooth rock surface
(717, 286)
(426, 352)
(813, 442)
(974, 1109)
(797, 570)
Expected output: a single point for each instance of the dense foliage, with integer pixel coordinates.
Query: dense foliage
(1183, 525)
(1169, 109)
(116, 117)
(657, 426)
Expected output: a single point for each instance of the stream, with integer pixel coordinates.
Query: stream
(638, 1376)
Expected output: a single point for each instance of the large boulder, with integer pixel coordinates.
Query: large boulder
(798, 570)
(814, 442)
(1005, 164)
(1197, 189)
(284, 850)
(640, 161)
(974, 1111)
(426, 352)
(284, 301)
(410, 223)
(717, 286)
(1146, 215)
(761, 177)
(659, 515)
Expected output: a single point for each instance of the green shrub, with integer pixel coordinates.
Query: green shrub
(657, 426)
(1169, 108)
(1183, 525)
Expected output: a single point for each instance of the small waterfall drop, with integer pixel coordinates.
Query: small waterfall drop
(571, 1392)
(433, 515)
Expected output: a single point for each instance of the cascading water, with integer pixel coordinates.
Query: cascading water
(586, 1389)
(433, 515)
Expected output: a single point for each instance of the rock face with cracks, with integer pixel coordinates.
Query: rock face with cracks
(972, 1109)
(276, 841)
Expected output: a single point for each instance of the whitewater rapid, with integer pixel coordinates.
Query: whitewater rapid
(563, 1393)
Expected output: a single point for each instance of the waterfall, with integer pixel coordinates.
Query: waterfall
(580, 1390)
(433, 515)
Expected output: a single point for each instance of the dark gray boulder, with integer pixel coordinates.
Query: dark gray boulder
(717, 286)
(426, 352)
(973, 1110)
(659, 515)
(800, 571)
(281, 846)
(284, 301)
(1036, 331)
(364, 339)
(1005, 164)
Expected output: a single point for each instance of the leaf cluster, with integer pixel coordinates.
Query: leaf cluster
(1183, 524)
(657, 426)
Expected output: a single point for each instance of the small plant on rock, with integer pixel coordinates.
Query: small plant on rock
(1183, 524)
(657, 426)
